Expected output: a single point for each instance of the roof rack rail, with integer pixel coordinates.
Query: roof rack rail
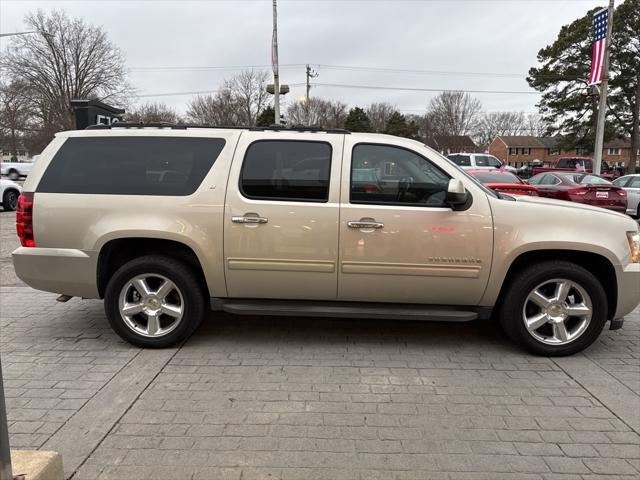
(184, 126)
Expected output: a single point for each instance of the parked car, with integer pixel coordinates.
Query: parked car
(270, 222)
(9, 193)
(631, 185)
(503, 182)
(15, 170)
(479, 161)
(581, 188)
(579, 165)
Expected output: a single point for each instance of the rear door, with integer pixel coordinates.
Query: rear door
(281, 216)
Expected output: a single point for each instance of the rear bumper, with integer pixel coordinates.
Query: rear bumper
(628, 290)
(59, 270)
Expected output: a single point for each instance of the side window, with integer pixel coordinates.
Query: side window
(550, 180)
(461, 160)
(131, 165)
(482, 161)
(635, 182)
(284, 170)
(537, 180)
(382, 174)
(493, 162)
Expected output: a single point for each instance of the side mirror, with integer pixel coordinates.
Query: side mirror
(457, 196)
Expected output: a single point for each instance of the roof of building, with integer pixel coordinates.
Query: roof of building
(521, 141)
(457, 141)
(618, 143)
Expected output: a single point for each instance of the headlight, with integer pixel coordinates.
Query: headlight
(634, 246)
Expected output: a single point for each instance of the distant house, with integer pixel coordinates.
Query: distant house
(447, 144)
(6, 155)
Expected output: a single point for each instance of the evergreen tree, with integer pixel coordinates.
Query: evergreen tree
(397, 125)
(266, 117)
(357, 121)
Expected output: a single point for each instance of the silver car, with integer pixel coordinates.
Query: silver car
(631, 184)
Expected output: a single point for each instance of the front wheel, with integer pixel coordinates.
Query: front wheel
(154, 301)
(554, 308)
(13, 175)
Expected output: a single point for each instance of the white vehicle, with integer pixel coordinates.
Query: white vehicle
(479, 161)
(631, 184)
(15, 170)
(9, 193)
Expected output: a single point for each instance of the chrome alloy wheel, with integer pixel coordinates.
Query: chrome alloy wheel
(557, 312)
(151, 305)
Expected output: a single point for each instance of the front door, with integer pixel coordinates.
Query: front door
(399, 241)
(281, 216)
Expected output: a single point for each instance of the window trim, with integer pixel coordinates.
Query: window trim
(513, 151)
(282, 199)
(396, 204)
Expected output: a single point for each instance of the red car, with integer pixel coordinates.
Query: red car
(581, 188)
(503, 182)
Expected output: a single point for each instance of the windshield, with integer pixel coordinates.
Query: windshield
(497, 177)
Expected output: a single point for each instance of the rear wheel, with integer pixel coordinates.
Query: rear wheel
(554, 308)
(154, 301)
(10, 200)
(13, 175)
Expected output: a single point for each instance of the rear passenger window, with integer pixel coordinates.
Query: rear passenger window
(461, 160)
(131, 165)
(284, 170)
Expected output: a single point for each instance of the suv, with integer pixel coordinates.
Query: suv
(479, 161)
(164, 221)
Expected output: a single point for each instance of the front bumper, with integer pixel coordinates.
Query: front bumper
(628, 289)
(59, 270)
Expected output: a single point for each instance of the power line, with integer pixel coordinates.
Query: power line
(211, 67)
(197, 92)
(419, 89)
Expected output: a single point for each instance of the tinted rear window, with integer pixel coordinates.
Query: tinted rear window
(286, 170)
(496, 178)
(131, 165)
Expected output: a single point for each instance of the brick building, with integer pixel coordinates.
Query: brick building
(447, 144)
(522, 150)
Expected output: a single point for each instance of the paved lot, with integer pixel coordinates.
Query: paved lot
(250, 398)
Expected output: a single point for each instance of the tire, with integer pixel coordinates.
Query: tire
(10, 200)
(187, 296)
(581, 291)
(13, 175)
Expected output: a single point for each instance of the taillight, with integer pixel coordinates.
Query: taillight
(24, 219)
(622, 193)
(578, 191)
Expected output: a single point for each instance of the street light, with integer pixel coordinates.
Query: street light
(42, 32)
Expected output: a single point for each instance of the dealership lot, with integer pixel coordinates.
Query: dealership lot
(302, 398)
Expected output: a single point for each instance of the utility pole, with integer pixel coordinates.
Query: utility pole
(274, 62)
(602, 108)
(310, 74)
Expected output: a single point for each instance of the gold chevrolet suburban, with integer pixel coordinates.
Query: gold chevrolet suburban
(163, 221)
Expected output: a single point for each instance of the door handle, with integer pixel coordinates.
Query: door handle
(365, 224)
(251, 220)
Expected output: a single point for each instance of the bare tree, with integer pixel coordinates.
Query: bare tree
(535, 125)
(153, 112)
(249, 90)
(238, 102)
(454, 113)
(16, 115)
(494, 124)
(73, 60)
(317, 111)
(379, 114)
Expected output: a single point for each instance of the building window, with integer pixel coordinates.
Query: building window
(513, 151)
(581, 151)
(554, 151)
(613, 151)
(22, 153)
(526, 151)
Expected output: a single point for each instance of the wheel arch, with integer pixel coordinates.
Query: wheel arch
(116, 252)
(597, 264)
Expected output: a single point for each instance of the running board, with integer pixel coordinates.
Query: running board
(343, 310)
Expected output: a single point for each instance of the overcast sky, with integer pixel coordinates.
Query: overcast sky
(167, 42)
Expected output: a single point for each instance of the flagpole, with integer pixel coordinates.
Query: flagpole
(274, 60)
(602, 107)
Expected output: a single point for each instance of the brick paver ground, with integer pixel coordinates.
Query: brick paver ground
(269, 398)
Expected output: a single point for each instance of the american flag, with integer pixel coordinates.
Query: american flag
(599, 46)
